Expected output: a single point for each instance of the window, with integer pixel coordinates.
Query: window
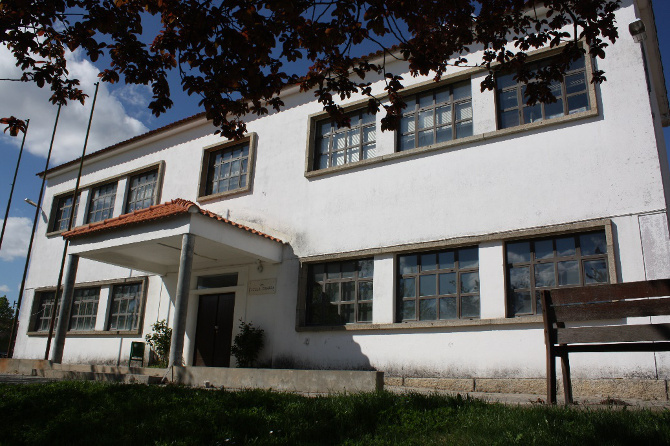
(439, 285)
(336, 147)
(436, 116)
(125, 312)
(571, 97)
(101, 205)
(44, 305)
(227, 169)
(84, 309)
(142, 189)
(554, 262)
(340, 292)
(63, 211)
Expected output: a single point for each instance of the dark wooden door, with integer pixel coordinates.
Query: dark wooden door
(214, 331)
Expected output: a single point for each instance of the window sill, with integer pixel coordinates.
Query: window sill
(456, 142)
(88, 334)
(225, 194)
(536, 319)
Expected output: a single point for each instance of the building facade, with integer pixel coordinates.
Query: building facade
(419, 252)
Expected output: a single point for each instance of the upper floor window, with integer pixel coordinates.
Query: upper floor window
(84, 308)
(63, 212)
(340, 292)
(336, 147)
(562, 261)
(101, 204)
(439, 285)
(436, 116)
(227, 168)
(571, 94)
(142, 190)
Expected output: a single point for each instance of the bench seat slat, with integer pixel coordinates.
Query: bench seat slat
(599, 293)
(617, 333)
(612, 310)
(616, 347)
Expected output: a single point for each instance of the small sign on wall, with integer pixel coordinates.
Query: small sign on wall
(263, 286)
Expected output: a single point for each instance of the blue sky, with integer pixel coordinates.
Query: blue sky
(120, 114)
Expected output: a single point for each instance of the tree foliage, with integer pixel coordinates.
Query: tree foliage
(159, 340)
(236, 54)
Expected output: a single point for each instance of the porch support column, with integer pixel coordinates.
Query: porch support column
(181, 301)
(64, 311)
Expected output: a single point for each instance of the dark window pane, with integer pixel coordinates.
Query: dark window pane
(532, 113)
(448, 283)
(544, 249)
(521, 303)
(365, 312)
(365, 291)
(518, 252)
(444, 134)
(333, 292)
(470, 306)
(578, 103)
(519, 277)
(462, 91)
(365, 268)
(427, 309)
(218, 281)
(464, 129)
(407, 264)
(318, 272)
(409, 310)
(509, 119)
(333, 271)
(544, 275)
(508, 99)
(575, 83)
(565, 246)
(554, 109)
(407, 287)
(446, 259)
(592, 244)
(469, 282)
(406, 142)
(568, 273)
(427, 285)
(428, 262)
(348, 291)
(595, 271)
(468, 258)
(348, 270)
(448, 308)
(347, 313)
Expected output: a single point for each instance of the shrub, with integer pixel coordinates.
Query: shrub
(247, 344)
(159, 341)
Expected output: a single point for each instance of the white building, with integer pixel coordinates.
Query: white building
(418, 252)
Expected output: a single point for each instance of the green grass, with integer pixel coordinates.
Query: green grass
(105, 414)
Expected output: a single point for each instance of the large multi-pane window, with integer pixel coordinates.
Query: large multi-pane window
(101, 205)
(436, 116)
(340, 292)
(142, 190)
(571, 95)
(336, 147)
(84, 308)
(439, 285)
(43, 310)
(63, 212)
(227, 169)
(125, 311)
(554, 262)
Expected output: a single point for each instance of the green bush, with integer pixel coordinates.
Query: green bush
(159, 341)
(248, 344)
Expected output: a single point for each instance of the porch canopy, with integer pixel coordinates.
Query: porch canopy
(173, 237)
(150, 239)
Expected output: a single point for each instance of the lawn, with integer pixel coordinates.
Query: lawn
(106, 414)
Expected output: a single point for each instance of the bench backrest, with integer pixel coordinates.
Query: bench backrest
(607, 302)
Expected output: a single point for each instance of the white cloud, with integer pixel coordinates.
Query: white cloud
(112, 120)
(17, 236)
(4, 289)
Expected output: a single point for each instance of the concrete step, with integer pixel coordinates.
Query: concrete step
(94, 376)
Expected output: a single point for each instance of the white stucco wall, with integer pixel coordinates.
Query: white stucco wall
(603, 167)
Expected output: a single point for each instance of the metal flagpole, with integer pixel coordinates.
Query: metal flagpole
(69, 227)
(38, 208)
(11, 191)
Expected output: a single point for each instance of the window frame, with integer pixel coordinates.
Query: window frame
(360, 126)
(459, 295)
(90, 211)
(451, 102)
(209, 151)
(55, 209)
(537, 59)
(84, 300)
(308, 283)
(608, 257)
(140, 307)
(129, 187)
(36, 316)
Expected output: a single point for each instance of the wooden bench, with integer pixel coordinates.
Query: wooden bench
(593, 319)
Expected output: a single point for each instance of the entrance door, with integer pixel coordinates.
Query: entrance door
(214, 331)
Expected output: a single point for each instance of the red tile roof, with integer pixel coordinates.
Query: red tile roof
(170, 209)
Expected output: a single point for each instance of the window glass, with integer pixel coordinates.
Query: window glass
(63, 212)
(228, 169)
(340, 292)
(125, 310)
(571, 97)
(84, 310)
(553, 262)
(436, 116)
(338, 146)
(101, 204)
(442, 285)
(217, 281)
(44, 306)
(142, 190)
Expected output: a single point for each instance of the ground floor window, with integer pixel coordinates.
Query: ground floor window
(570, 260)
(438, 285)
(84, 309)
(340, 292)
(43, 309)
(125, 311)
